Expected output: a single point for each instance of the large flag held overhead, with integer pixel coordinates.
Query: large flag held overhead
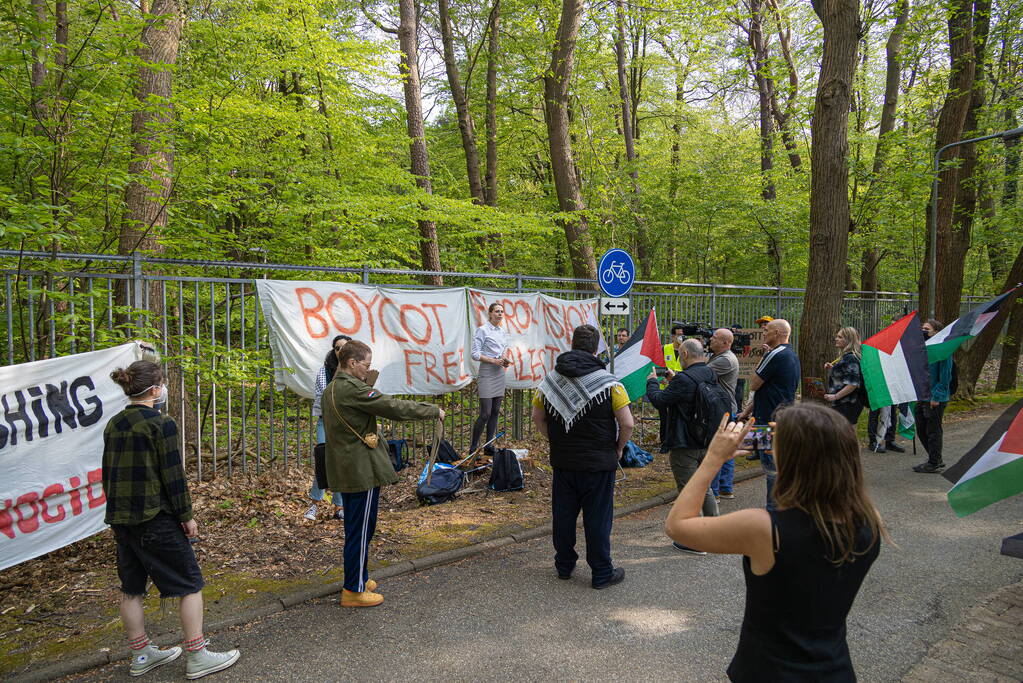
(634, 360)
(943, 344)
(993, 469)
(894, 364)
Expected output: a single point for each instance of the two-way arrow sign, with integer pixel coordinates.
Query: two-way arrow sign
(610, 306)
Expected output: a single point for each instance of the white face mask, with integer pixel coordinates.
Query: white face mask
(162, 398)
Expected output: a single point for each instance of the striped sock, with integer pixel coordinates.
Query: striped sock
(139, 643)
(195, 644)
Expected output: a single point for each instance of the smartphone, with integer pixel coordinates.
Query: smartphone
(759, 438)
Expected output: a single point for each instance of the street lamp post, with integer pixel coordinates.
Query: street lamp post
(1005, 135)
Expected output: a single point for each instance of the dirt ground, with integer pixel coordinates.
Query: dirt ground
(255, 544)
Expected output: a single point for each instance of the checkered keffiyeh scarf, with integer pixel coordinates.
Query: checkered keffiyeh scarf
(570, 397)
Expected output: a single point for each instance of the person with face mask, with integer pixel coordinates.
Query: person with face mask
(929, 414)
(150, 511)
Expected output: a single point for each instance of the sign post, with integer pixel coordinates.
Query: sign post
(615, 274)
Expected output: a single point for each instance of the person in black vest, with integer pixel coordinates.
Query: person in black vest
(804, 561)
(584, 412)
(677, 399)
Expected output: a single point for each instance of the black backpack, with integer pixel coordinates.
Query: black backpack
(446, 453)
(442, 486)
(710, 402)
(398, 449)
(506, 473)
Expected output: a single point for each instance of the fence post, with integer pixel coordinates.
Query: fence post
(777, 305)
(136, 288)
(365, 274)
(517, 393)
(713, 305)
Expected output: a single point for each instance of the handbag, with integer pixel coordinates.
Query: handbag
(370, 440)
(320, 465)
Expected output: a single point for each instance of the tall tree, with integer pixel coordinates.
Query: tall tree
(466, 127)
(950, 129)
(829, 176)
(557, 82)
(408, 43)
(152, 161)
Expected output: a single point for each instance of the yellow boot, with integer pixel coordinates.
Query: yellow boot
(367, 598)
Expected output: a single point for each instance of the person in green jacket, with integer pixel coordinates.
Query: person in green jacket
(357, 462)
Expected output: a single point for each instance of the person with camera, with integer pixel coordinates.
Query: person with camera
(489, 344)
(357, 461)
(774, 384)
(726, 366)
(584, 412)
(805, 561)
(678, 401)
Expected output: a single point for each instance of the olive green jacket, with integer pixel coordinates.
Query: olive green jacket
(351, 465)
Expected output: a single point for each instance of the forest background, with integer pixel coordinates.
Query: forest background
(778, 142)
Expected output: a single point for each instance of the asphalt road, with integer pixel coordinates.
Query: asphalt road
(506, 616)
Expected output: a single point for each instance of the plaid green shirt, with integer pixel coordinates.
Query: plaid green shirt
(142, 470)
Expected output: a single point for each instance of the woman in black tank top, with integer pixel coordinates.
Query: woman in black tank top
(805, 561)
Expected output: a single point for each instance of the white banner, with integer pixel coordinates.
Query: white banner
(539, 327)
(420, 338)
(52, 416)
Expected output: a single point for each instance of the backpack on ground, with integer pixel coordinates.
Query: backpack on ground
(443, 485)
(710, 403)
(446, 453)
(634, 456)
(398, 450)
(506, 472)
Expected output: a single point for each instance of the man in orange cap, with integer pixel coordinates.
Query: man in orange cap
(763, 320)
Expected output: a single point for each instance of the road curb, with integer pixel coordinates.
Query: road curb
(299, 597)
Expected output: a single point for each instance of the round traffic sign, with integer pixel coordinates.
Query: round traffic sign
(616, 272)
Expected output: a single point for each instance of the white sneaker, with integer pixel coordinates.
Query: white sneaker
(150, 657)
(204, 662)
(339, 513)
(310, 514)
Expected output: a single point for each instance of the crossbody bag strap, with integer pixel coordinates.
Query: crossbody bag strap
(360, 436)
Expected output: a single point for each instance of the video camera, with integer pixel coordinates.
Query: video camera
(696, 330)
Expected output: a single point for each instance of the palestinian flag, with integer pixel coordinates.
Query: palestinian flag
(993, 469)
(634, 360)
(907, 423)
(943, 344)
(894, 364)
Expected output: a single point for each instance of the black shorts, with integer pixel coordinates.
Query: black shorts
(159, 550)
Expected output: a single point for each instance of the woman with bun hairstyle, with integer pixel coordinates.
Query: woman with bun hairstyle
(150, 512)
(323, 377)
(489, 344)
(804, 561)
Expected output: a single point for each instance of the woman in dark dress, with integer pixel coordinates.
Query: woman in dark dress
(805, 561)
(844, 375)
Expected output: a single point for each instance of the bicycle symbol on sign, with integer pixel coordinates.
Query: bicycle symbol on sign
(615, 270)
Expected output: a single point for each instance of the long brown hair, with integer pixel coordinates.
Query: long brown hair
(819, 472)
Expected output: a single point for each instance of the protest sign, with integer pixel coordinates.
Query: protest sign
(51, 449)
(419, 338)
(539, 327)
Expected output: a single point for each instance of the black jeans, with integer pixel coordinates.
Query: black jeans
(850, 411)
(593, 493)
(928, 428)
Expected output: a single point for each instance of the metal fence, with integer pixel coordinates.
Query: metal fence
(206, 321)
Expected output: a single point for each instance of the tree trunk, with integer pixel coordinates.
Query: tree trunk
(1009, 365)
(630, 143)
(152, 161)
(408, 43)
(465, 124)
(783, 115)
(556, 83)
(893, 70)
(496, 240)
(764, 88)
(829, 177)
(950, 129)
(972, 361)
(998, 248)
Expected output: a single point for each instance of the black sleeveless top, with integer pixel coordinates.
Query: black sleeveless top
(793, 628)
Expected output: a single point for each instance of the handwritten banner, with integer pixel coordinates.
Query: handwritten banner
(419, 338)
(539, 327)
(52, 416)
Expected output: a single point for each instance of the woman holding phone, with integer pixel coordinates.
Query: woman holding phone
(489, 343)
(803, 562)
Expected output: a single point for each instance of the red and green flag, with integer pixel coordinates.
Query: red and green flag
(993, 469)
(894, 364)
(943, 344)
(634, 360)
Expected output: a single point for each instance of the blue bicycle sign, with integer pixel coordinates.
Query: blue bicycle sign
(616, 272)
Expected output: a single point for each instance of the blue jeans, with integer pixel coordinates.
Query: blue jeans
(767, 462)
(722, 481)
(315, 492)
